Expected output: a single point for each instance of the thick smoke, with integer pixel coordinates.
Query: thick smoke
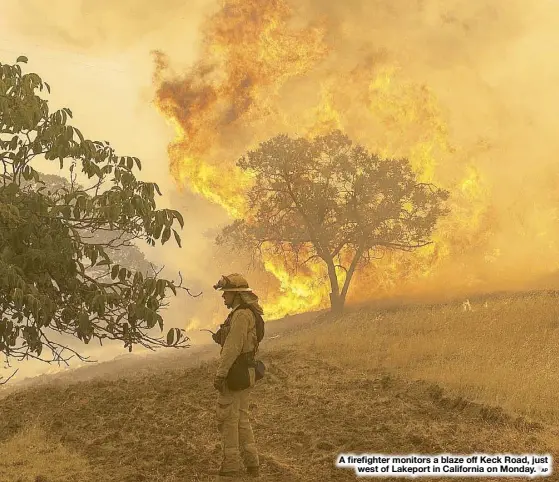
(489, 90)
(491, 69)
(489, 66)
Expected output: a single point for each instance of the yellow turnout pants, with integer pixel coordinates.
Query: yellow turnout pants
(237, 438)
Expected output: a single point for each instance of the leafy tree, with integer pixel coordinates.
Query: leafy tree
(333, 201)
(118, 245)
(57, 277)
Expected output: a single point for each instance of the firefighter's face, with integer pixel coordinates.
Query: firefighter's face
(228, 298)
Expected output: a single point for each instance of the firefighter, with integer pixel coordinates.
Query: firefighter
(239, 340)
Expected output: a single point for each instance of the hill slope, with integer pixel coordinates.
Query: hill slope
(346, 385)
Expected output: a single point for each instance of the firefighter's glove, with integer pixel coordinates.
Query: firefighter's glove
(219, 383)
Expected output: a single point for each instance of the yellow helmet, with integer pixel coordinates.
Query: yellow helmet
(232, 282)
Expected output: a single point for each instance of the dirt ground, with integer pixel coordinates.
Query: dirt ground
(316, 402)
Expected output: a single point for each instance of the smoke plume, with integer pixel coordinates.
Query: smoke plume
(464, 88)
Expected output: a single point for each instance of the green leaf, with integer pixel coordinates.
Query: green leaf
(80, 135)
(177, 238)
(93, 256)
(160, 287)
(166, 235)
(157, 230)
(84, 322)
(179, 217)
(170, 337)
(114, 271)
(151, 319)
(149, 285)
(138, 277)
(22, 58)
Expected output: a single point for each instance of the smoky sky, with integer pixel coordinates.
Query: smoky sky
(491, 66)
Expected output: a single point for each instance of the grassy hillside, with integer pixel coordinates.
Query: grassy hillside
(423, 379)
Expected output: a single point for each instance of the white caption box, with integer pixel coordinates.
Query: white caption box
(448, 465)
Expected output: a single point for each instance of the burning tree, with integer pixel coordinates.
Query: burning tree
(57, 278)
(330, 200)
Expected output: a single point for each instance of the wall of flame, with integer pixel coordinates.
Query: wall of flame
(266, 68)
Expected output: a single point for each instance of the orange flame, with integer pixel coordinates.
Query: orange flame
(260, 75)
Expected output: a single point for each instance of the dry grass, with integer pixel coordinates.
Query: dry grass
(505, 354)
(26, 455)
(399, 381)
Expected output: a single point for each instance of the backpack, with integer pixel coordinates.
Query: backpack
(259, 322)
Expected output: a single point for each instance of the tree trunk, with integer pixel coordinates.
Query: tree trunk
(337, 303)
(351, 271)
(336, 300)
